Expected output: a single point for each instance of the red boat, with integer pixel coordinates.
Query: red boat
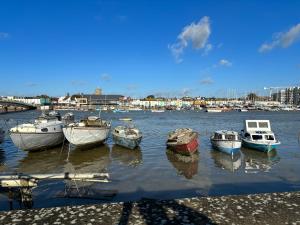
(183, 141)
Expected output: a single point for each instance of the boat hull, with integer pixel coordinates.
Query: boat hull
(86, 136)
(263, 147)
(185, 149)
(229, 147)
(130, 143)
(36, 141)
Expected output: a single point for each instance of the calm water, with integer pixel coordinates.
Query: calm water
(153, 172)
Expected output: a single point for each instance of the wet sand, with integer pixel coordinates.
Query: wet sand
(271, 208)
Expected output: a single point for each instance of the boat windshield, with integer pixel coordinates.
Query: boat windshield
(218, 136)
(269, 137)
(230, 137)
(257, 137)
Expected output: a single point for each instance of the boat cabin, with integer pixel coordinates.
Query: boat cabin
(226, 135)
(258, 130)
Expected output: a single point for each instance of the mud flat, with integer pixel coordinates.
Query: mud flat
(271, 208)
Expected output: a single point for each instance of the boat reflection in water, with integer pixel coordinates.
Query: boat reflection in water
(2, 158)
(48, 161)
(227, 162)
(127, 156)
(184, 164)
(256, 161)
(94, 159)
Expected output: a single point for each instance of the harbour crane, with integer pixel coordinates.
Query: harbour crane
(273, 88)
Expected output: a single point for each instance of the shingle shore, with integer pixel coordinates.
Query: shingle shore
(271, 208)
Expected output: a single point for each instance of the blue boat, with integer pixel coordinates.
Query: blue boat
(120, 111)
(127, 137)
(257, 135)
(226, 141)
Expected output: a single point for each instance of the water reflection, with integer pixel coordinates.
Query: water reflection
(94, 159)
(225, 161)
(256, 161)
(48, 161)
(126, 156)
(2, 157)
(185, 165)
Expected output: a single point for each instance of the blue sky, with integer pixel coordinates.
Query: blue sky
(198, 48)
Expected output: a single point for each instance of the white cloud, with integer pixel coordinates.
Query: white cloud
(195, 33)
(4, 35)
(207, 80)
(282, 39)
(225, 62)
(105, 77)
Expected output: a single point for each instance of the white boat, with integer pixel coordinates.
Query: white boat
(213, 110)
(45, 132)
(2, 135)
(243, 110)
(135, 109)
(90, 131)
(128, 137)
(157, 110)
(226, 141)
(257, 134)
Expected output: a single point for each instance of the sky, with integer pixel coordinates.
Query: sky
(137, 48)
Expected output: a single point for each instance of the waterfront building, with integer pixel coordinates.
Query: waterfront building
(36, 101)
(287, 96)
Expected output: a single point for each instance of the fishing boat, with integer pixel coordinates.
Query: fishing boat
(90, 131)
(183, 141)
(258, 135)
(2, 135)
(45, 132)
(226, 141)
(126, 136)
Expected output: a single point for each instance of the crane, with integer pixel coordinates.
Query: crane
(274, 88)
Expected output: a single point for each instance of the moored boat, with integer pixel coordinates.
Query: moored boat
(89, 131)
(45, 132)
(128, 137)
(258, 135)
(183, 141)
(226, 141)
(213, 110)
(120, 111)
(157, 110)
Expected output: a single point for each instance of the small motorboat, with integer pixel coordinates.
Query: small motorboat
(120, 111)
(125, 119)
(183, 141)
(214, 110)
(2, 135)
(68, 118)
(45, 132)
(90, 131)
(226, 141)
(126, 136)
(157, 110)
(258, 135)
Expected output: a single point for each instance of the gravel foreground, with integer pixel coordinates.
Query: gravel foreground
(273, 208)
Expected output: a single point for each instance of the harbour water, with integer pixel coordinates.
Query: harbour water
(153, 172)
